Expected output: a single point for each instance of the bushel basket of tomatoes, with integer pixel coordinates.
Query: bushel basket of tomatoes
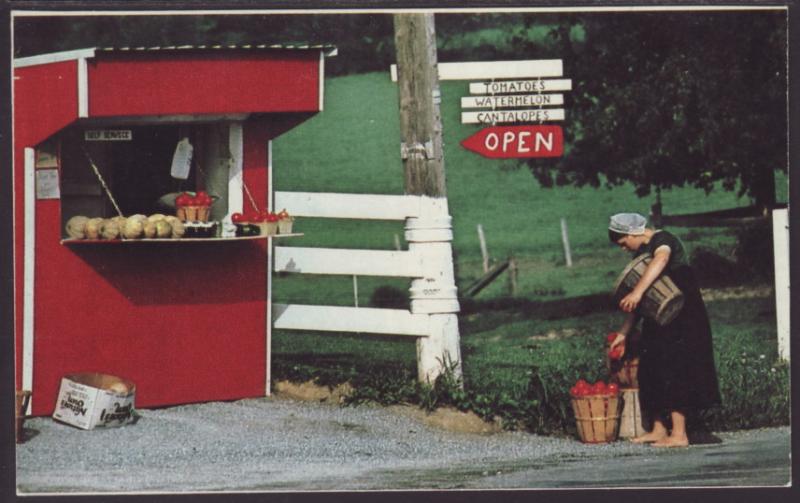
(596, 407)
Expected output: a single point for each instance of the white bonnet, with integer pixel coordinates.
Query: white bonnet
(628, 223)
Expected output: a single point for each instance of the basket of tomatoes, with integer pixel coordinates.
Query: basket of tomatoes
(597, 411)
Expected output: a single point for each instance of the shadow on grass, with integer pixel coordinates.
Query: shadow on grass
(485, 315)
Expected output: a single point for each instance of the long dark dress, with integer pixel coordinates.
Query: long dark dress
(676, 364)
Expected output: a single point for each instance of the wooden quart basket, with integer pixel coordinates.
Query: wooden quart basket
(630, 423)
(597, 417)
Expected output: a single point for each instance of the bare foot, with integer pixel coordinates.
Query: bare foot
(649, 437)
(672, 441)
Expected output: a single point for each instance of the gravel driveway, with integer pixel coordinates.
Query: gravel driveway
(279, 444)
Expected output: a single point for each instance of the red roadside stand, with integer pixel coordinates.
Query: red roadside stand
(185, 320)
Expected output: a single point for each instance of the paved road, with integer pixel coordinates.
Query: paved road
(278, 444)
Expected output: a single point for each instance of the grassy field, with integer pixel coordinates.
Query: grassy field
(353, 147)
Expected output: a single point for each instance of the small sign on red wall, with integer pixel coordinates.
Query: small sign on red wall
(506, 142)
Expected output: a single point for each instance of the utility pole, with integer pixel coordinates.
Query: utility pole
(420, 119)
(430, 235)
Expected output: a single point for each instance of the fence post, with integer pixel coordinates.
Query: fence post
(780, 239)
(430, 235)
(565, 239)
(656, 211)
(355, 290)
(512, 275)
(484, 250)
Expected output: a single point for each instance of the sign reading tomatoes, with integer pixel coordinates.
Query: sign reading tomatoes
(506, 142)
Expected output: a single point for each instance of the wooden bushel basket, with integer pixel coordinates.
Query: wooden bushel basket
(630, 424)
(597, 417)
(23, 397)
(661, 302)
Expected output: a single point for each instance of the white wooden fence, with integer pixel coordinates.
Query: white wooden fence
(428, 261)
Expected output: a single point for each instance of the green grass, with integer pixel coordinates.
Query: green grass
(353, 147)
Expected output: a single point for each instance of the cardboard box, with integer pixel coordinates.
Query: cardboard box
(89, 400)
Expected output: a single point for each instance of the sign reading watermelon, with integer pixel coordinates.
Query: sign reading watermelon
(506, 142)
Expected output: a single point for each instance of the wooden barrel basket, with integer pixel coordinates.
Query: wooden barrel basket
(23, 397)
(597, 418)
(661, 302)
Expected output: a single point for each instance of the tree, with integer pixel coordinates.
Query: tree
(674, 99)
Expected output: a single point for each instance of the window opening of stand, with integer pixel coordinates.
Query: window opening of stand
(131, 165)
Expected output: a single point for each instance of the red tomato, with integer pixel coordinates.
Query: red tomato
(182, 199)
(612, 388)
(599, 388)
(237, 218)
(611, 337)
(272, 217)
(581, 382)
(615, 353)
(574, 391)
(254, 217)
(202, 194)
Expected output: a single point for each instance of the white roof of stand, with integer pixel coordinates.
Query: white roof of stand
(55, 57)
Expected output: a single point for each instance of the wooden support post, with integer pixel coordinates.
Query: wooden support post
(656, 213)
(565, 239)
(423, 166)
(486, 279)
(484, 250)
(512, 275)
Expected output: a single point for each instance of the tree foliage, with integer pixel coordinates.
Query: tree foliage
(364, 41)
(673, 99)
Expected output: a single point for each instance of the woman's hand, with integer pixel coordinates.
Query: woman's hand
(618, 342)
(630, 301)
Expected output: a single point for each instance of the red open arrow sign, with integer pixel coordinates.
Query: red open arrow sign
(506, 142)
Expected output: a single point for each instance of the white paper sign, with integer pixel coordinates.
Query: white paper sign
(47, 184)
(182, 160)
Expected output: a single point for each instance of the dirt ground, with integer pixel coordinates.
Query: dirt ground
(446, 418)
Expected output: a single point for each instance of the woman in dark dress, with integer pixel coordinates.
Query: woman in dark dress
(676, 364)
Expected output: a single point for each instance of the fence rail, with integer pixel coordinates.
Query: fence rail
(350, 319)
(358, 206)
(348, 261)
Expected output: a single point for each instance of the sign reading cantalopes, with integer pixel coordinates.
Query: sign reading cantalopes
(518, 92)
